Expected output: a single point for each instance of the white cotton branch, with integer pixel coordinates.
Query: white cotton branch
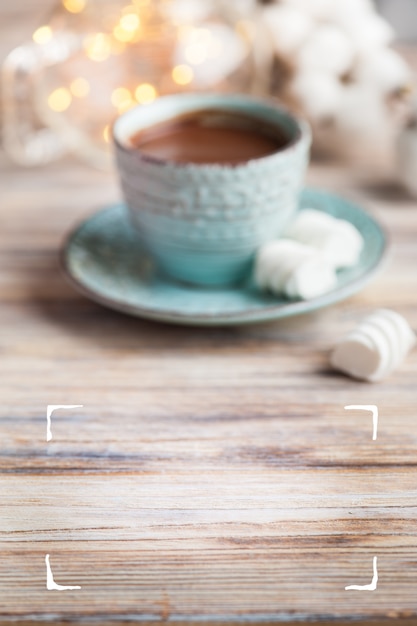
(385, 70)
(368, 32)
(362, 110)
(318, 9)
(186, 11)
(346, 13)
(319, 93)
(289, 27)
(327, 49)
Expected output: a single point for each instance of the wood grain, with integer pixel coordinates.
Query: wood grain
(213, 475)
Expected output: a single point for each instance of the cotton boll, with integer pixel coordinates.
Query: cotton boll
(319, 94)
(318, 9)
(186, 11)
(385, 69)
(289, 28)
(367, 32)
(364, 128)
(347, 13)
(244, 8)
(361, 110)
(328, 48)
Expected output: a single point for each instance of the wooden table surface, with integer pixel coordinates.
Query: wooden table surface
(213, 475)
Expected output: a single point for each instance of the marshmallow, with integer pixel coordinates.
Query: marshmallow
(293, 269)
(376, 348)
(338, 241)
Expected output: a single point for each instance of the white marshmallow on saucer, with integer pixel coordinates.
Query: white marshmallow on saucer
(294, 270)
(337, 240)
(376, 348)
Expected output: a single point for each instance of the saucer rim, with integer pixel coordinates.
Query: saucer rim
(245, 317)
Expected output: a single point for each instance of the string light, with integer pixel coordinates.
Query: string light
(184, 32)
(60, 100)
(98, 47)
(117, 47)
(106, 133)
(200, 45)
(74, 6)
(122, 99)
(177, 54)
(145, 93)
(42, 35)
(125, 36)
(80, 88)
(130, 22)
(182, 74)
(215, 49)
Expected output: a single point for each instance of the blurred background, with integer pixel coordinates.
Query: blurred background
(69, 67)
(402, 15)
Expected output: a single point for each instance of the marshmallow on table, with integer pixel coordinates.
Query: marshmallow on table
(376, 348)
(337, 240)
(293, 269)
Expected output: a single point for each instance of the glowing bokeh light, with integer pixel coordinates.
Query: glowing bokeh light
(145, 93)
(182, 74)
(80, 87)
(122, 99)
(123, 35)
(98, 47)
(106, 133)
(42, 35)
(130, 22)
(59, 100)
(74, 6)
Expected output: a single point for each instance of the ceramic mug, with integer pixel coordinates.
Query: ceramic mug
(203, 223)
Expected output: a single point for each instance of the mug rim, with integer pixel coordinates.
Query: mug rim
(202, 101)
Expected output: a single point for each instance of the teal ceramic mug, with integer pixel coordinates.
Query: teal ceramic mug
(202, 223)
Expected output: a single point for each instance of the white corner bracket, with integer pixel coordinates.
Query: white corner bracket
(51, 585)
(367, 407)
(371, 587)
(54, 407)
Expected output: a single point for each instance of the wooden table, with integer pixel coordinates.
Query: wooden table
(213, 475)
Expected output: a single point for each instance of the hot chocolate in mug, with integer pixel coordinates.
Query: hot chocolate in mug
(202, 207)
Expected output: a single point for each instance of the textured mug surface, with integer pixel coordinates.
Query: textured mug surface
(203, 223)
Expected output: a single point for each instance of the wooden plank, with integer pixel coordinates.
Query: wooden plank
(212, 473)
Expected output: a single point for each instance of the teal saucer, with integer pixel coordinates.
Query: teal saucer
(104, 261)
